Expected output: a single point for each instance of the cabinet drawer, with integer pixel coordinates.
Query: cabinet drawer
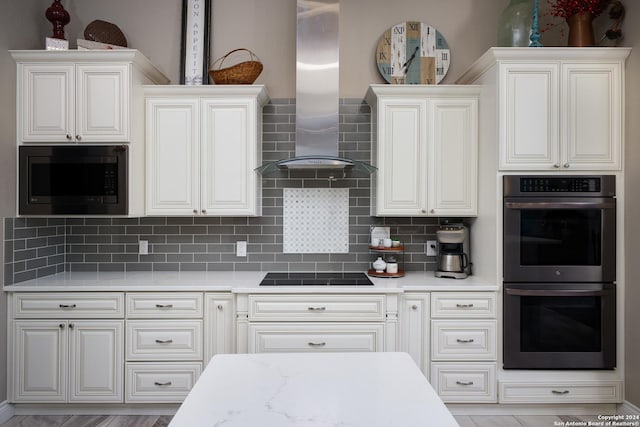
(68, 305)
(316, 307)
(160, 382)
(279, 338)
(164, 305)
(463, 304)
(463, 340)
(561, 392)
(458, 383)
(175, 340)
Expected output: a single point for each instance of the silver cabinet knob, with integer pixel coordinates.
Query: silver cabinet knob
(423, 211)
(195, 211)
(432, 211)
(68, 137)
(557, 166)
(204, 211)
(220, 307)
(414, 307)
(566, 166)
(61, 325)
(78, 137)
(70, 325)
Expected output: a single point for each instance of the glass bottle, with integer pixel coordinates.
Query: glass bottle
(514, 26)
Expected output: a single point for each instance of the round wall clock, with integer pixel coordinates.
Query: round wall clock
(413, 52)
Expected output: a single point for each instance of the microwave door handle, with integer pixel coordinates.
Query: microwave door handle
(552, 293)
(560, 205)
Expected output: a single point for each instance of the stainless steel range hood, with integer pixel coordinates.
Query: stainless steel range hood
(317, 91)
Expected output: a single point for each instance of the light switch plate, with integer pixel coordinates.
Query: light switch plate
(143, 247)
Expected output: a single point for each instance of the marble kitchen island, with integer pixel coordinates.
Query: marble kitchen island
(314, 390)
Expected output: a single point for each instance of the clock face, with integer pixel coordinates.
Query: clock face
(412, 53)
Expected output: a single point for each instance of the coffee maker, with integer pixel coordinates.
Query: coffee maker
(453, 251)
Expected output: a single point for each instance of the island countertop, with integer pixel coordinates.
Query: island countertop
(234, 281)
(313, 390)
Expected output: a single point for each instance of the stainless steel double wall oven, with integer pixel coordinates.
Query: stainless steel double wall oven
(559, 272)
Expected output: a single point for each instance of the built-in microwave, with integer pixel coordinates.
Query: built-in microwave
(72, 180)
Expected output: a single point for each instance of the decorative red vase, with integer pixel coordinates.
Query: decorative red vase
(581, 30)
(58, 17)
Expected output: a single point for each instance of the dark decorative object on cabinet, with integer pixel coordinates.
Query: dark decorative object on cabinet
(59, 17)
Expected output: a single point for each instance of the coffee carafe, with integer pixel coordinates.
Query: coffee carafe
(453, 252)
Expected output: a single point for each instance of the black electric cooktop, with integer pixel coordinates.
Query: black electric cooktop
(316, 279)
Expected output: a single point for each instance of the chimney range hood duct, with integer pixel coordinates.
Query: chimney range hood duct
(317, 91)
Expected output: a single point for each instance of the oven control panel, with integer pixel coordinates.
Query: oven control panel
(554, 184)
(557, 186)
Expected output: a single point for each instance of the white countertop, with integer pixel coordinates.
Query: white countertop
(235, 281)
(312, 390)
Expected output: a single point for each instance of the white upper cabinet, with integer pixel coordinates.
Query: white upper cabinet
(559, 109)
(79, 96)
(203, 145)
(425, 149)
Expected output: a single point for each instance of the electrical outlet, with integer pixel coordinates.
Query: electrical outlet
(143, 247)
(241, 248)
(432, 248)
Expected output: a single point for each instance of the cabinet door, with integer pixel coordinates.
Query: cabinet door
(453, 153)
(401, 157)
(173, 167)
(229, 157)
(219, 326)
(102, 103)
(96, 366)
(39, 366)
(45, 103)
(592, 116)
(529, 111)
(415, 329)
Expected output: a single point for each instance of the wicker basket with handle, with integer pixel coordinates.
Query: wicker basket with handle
(243, 73)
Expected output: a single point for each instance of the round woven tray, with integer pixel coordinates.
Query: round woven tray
(243, 73)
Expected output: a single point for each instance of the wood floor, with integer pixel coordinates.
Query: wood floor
(162, 421)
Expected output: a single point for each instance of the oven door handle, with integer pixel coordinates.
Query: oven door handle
(552, 293)
(606, 204)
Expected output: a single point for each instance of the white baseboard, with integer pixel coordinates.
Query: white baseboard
(6, 411)
(532, 409)
(628, 408)
(98, 409)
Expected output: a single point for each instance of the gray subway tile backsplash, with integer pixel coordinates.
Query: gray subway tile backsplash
(36, 247)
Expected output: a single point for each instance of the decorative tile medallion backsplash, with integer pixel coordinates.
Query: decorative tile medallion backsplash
(36, 247)
(316, 220)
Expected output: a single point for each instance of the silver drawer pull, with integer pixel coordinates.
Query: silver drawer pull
(464, 305)
(164, 305)
(560, 392)
(316, 308)
(68, 306)
(164, 341)
(159, 384)
(317, 344)
(465, 341)
(464, 383)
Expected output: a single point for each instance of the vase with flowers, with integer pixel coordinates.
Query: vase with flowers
(579, 15)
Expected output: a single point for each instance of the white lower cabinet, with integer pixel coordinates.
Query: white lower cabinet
(316, 323)
(414, 335)
(460, 383)
(160, 382)
(303, 337)
(560, 391)
(219, 325)
(464, 346)
(164, 345)
(64, 359)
